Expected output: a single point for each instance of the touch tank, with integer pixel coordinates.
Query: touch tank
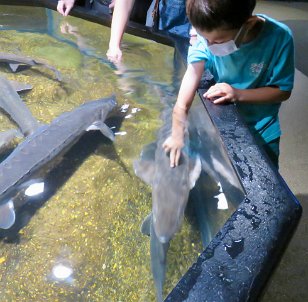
(101, 239)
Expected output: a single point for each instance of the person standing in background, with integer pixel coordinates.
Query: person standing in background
(170, 16)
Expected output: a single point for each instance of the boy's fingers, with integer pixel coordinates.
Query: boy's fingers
(166, 147)
(172, 158)
(213, 94)
(220, 100)
(177, 158)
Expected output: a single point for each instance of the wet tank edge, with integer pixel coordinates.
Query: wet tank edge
(239, 260)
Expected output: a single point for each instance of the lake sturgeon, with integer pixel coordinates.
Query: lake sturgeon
(46, 143)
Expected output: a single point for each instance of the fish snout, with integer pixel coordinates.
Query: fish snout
(165, 231)
(163, 239)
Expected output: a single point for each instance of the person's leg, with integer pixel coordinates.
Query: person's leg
(173, 18)
(272, 150)
(139, 11)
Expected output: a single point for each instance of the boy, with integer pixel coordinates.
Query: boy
(252, 61)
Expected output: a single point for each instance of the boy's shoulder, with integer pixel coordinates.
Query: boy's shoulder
(275, 27)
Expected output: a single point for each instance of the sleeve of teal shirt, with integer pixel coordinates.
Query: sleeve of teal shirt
(283, 71)
(197, 52)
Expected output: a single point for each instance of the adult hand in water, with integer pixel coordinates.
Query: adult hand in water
(114, 54)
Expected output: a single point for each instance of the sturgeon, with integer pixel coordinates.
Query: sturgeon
(15, 61)
(47, 142)
(170, 192)
(7, 137)
(13, 105)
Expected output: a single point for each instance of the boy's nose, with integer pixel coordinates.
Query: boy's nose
(209, 42)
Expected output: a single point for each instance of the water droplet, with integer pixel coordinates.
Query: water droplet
(235, 248)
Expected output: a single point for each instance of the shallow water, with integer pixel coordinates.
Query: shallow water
(81, 240)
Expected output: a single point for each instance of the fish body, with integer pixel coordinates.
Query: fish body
(170, 192)
(158, 252)
(48, 142)
(15, 61)
(7, 137)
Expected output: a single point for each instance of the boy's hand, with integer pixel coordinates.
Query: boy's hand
(173, 146)
(222, 93)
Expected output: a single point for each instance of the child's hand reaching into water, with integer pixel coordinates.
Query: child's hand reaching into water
(173, 146)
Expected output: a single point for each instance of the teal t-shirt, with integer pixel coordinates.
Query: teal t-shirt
(268, 60)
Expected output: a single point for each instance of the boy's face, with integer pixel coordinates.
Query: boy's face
(218, 36)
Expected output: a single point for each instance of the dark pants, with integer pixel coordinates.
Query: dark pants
(173, 18)
(138, 13)
(272, 150)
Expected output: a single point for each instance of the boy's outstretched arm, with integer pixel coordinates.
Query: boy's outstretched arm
(190, 82)
(222, 93)
(120, 17)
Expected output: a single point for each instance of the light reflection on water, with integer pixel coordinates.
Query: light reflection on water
(81, 240)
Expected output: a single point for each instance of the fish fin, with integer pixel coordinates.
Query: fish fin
(20, 87)
(144, 170)
(7, 215)
(210, 171)
(99, 125)
(146, 225)
(158, 262)
(148, 152)
(58, 75)
(14, 66)
(144, 167)
(7, 137)
(57, 72)
(194, 172)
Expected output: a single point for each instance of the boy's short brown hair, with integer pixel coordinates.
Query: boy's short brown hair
(209, 15)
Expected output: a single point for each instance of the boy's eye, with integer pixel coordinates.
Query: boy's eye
(215, 42)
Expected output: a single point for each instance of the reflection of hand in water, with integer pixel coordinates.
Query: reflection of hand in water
(124, 80)
(69, 29)
(66, 28)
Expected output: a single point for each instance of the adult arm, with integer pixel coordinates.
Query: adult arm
(189, 85)
(120, 16)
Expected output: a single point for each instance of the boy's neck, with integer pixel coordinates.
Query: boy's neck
(253, 26)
